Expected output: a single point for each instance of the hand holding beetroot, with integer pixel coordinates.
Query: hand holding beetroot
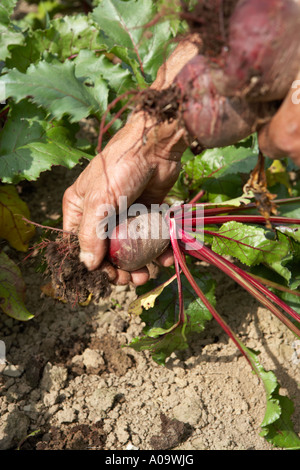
(223, 98)
(128, 166)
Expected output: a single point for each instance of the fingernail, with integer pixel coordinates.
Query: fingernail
(88, 259)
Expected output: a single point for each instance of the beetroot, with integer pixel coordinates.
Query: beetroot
(138, 240)
(263, 49)
(215, 120)
(225, 97)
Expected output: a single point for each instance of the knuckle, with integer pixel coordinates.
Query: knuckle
(287, 142)
(68, 197)
(67, 194)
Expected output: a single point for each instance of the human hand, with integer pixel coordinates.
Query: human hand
(143, 173)
(142, 169)
(281, 137)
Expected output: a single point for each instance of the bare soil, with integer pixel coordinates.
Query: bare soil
(72, 381)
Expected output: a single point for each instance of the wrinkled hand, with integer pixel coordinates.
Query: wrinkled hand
(281, 137)
(141, 168)
(143, 173)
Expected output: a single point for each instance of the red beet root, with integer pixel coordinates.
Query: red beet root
(138, 240)
(215, 120)
(263, 49)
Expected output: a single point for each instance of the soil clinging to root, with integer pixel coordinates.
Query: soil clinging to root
(163, 105)
(71, 280)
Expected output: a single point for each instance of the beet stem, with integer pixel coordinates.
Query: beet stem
(253, 286)
(179, 256)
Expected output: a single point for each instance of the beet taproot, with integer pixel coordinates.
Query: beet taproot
(216, 120)
(227, 97)
(138, 240)
(263, 54)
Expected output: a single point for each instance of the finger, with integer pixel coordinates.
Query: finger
(267, 144)
(123, 278)
(108, 268)
(92, 233)
(281, 137)
(166, 259)
(72, 206)
(140, 277)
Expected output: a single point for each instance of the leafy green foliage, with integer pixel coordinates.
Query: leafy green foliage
(123, 33)
(13, 227)
(56, 73)
(55, 87)
(10, 34)
(12, 290)
(250, 244)
(66, 69)
(64, 38)
(30, 144)
(218, 171)
(119, 78)
(277, 427)
(163, 335)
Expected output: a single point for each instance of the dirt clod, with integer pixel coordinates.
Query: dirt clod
(173, 432)
(78, 437)
(161, 104)
(71, 280)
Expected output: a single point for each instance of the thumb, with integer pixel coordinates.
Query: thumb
(95, 226)
(80, 216)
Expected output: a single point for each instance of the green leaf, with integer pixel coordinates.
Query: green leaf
(288, 266)
(290, 210)
(277, 427)
(6, 10)
(9, 33)
(30, 145)
(12, 226)
(12, 290)
(124, 34)
(56, 87)
(122, 23)
(91, 66)
(292, 231)
(223, 189)
(162, 333)
(218, 171)
(240, 158)
(156, 47)
(64, 38)
(250, 244)
(9, 36)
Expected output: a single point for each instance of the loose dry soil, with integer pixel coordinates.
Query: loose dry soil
(69, 377)
(69, 380)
